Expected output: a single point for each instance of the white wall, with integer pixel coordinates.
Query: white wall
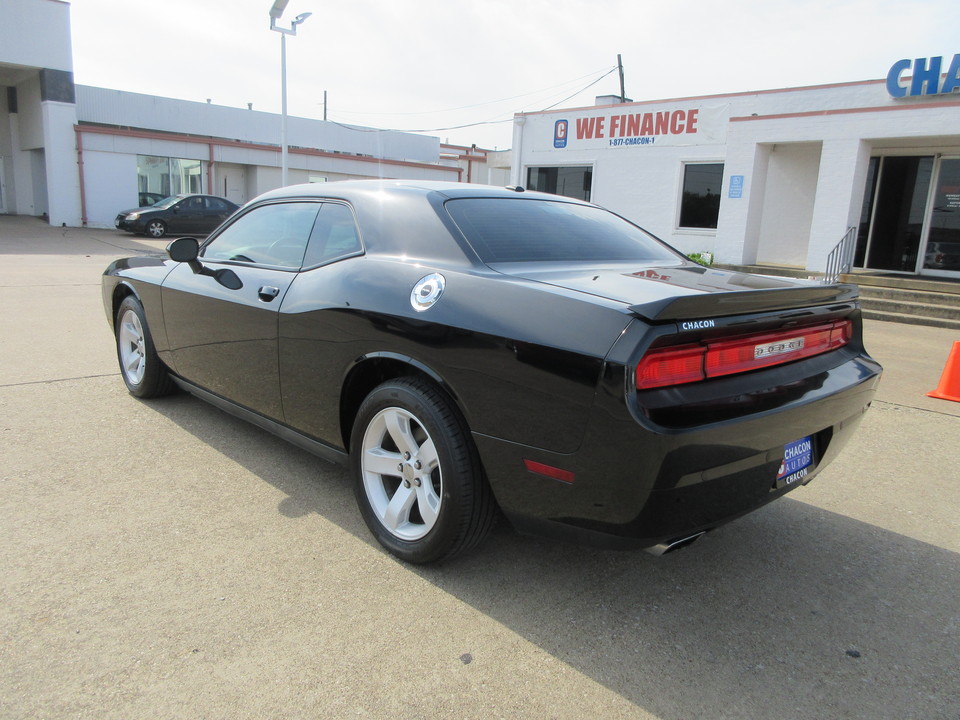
(60, 149)
(30, 114)
(789, 196)
(803, 155)
(111, 185)
(230, 181)
(38, 175)
(114, 107)
(49, 17)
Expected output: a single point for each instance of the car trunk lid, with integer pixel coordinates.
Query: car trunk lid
(663, 293)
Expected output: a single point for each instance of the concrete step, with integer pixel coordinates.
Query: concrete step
(911, 319)
(922, 297)
(901, 307)
(903, 282)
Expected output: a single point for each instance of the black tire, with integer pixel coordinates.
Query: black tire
(155, 229)
(142, 371)
(432, 465)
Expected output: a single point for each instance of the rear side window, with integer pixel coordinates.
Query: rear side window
(334, 235)
(509, 230)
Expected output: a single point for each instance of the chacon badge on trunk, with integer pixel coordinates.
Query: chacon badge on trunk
(427, 291)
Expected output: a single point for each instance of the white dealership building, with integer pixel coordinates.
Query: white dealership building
(773, 177)
(77, 155)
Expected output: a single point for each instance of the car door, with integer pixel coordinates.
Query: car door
(221, 311)
(316, 341)
(216, 211)
(184, 217)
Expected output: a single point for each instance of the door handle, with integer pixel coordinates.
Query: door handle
(268, 292)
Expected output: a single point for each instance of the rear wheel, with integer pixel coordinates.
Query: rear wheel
(143, 372)
(417, 476)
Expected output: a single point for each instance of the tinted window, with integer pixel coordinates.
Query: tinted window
(572, 182)
(700, 204)
(217, 204)
(334, 235)
(267, 235)
(507, 230)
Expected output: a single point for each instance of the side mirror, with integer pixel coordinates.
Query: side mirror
(185, 249)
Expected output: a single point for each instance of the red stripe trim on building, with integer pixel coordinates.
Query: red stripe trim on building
(847, 111)
(223, 142)
(707, 97)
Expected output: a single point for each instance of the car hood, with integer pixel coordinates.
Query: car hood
(146, 208)
(684, 291)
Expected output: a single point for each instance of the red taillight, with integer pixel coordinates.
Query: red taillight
(671, 366)
(689, 363)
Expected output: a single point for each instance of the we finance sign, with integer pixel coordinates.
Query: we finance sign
(675, 126)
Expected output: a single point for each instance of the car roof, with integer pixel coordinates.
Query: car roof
(414, 225)
(355, 189)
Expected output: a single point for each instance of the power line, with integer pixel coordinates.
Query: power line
(489, 102)
(478, 123)
(580, 90)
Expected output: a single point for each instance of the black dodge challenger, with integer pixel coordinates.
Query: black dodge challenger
(471, 350)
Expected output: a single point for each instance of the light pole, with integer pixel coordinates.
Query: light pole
(275, 12)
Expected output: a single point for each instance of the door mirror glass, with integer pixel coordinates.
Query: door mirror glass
(185, 249)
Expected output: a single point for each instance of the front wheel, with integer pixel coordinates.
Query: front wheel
(156, 228)
(417, 476)
(143, 372)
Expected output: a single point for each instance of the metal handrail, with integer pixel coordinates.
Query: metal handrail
(840, 259)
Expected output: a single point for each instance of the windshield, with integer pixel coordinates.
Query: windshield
(166, 202)
(515, 230)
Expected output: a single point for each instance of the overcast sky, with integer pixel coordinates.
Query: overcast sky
(433, 64)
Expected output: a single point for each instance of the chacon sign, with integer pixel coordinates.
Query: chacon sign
(925, 78)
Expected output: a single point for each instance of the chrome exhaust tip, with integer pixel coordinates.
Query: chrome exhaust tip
(671, 545)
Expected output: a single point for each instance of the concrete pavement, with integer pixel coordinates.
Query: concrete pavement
(164, 560)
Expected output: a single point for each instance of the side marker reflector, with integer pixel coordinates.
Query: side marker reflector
(549, 471)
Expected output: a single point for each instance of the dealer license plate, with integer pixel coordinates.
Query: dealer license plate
(797, 458)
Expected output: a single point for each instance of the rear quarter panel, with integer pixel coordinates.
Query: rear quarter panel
(521, 360)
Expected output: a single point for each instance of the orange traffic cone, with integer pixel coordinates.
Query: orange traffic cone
(949, 387)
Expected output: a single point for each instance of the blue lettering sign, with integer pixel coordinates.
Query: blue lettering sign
(925, 79)
(893, 79)
(951, 83)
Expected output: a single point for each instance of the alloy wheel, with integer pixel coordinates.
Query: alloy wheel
(401, 472)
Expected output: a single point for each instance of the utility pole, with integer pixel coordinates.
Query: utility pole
(623, 96)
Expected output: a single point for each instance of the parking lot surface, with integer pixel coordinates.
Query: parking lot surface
(162, 559)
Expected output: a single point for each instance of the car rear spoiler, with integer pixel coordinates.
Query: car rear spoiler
(741, 302)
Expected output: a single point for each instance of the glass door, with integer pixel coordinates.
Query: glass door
(896, 205)
(941, 254)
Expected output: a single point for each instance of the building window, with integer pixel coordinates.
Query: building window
(700, 202)
(572, 182)
(169, 176)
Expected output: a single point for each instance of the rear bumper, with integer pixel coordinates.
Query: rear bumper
(638, 483)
